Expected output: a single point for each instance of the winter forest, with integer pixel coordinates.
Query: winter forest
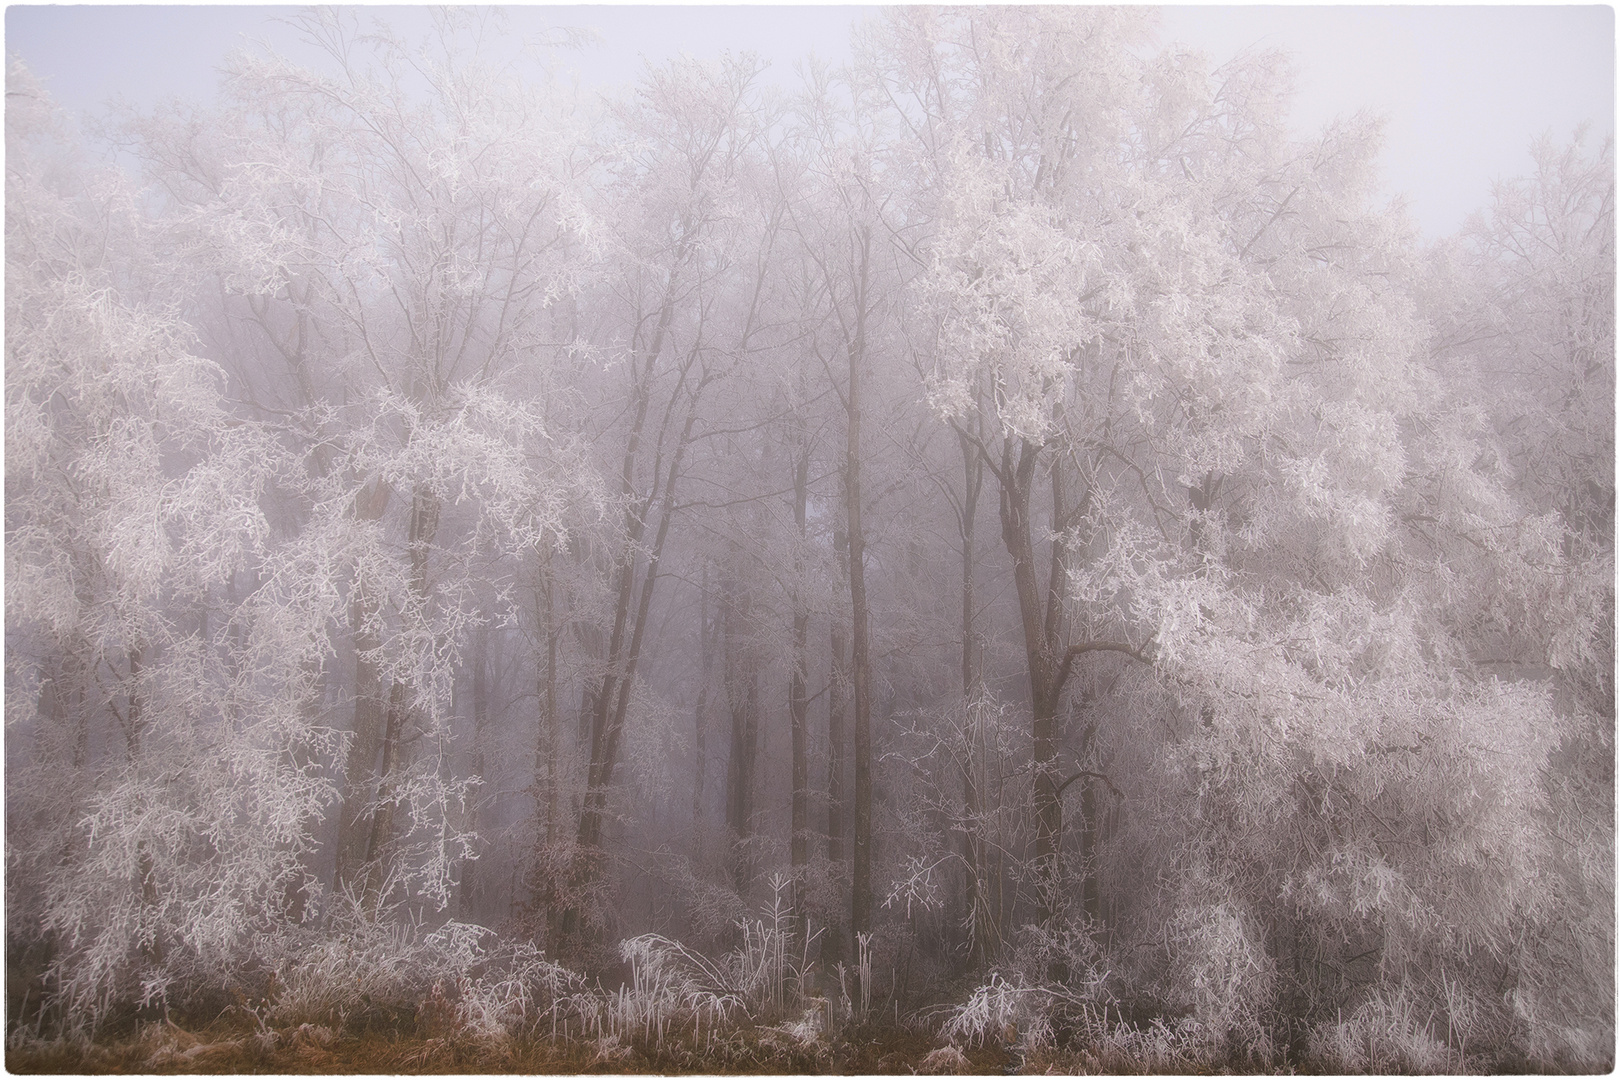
(1000, 558)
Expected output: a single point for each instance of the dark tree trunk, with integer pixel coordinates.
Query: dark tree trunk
(424, 524)
(469, 897)
(134, 703)
(1041, 625)
(613, 698)
(838, 711)
(546, 750)
(798, 696)
(700, 719)
(983, 931)
(742, 698)
(601, 697)
(370, 707)
(832, 949)
(860, 908)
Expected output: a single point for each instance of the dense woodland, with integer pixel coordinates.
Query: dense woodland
(1004, 541)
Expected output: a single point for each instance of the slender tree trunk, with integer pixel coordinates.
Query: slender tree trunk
(134, 703)
(547, 735)
(742, 696)
(370, 707)
(982, 931)
(1016, 477)
(798, 696)
(469, 897)
(1090, 831)
(61, 699)
(861, 886)
(700, 719)
(602, 696)
(424, 524)
(838, 711)
(590, 640)
(832, 948)
(613, 702)
(543, 884)
(382, 819)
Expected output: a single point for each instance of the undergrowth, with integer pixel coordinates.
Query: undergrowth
(382, 993)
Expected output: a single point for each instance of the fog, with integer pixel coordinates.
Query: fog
(1465, 90)
(1013, 544)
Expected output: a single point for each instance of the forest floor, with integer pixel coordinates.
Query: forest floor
(238, 1042)
(224, 1047)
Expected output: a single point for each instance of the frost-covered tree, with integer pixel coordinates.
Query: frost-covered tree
(681, 185)
(396, 252)
(159, 804)
(1149, 288)
(435, 493)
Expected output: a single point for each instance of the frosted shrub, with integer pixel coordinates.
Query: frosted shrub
(453, 976)
(1158, 1047)
(944, 1061)
(521, 992)
(990, 1012)
(1045, 952)
(181, 873)
(672, 984)
(363, 964)
(1221, 971)
(763, 968)
(1388, 1033)
(1058, 984)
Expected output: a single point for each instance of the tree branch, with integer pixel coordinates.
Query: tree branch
(1095, 646)
(1092, 775)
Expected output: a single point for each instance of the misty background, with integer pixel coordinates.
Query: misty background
(1465, 88)
(810, 539)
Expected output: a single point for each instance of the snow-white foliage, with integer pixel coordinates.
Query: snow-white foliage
(1311, 535)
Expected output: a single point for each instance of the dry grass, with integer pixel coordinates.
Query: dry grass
(168, 1049)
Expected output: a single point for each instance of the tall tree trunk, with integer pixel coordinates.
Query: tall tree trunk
(1090, 834)
(1016, 477)
(468, 894)
(707, 635)
(543, 884)
(798, 697)
(62, 698)
(860, 907)
(601, 696)
(591, 644)
(135, 703)
(613, 701)
(838, 710)
(982, 929)
(832, 949)
(742, 696)
(547, 735)
(370, 707)
(423, 525)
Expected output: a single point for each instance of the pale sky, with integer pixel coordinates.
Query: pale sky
(1466, 89)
